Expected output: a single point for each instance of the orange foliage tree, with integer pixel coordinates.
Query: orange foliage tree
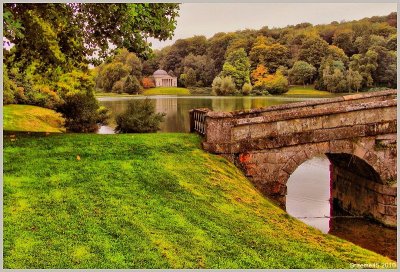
(148, 82)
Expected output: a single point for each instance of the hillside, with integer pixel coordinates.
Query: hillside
(148, 201)
(31, 118)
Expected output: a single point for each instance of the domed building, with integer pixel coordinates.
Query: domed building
(162, 79)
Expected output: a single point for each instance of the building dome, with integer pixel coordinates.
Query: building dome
(160, 72)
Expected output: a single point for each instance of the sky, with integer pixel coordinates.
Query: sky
(210, 18)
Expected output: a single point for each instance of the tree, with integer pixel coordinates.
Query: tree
(258, 74)
(365, 64)
(246, 89)
(344, 39)
(112, 75)
(71, 31)
(313, 50)
(223, 86)
(69, 36)
(203, 67)
(336, 53)
(132, 85)
(80, 108)
(334, 80)
(148, 82)
(302, 73)
(273, 84)
(109, 74)
(237, 66)
(354, 80)
(271, 56)
(386, 69)
(190, 79)
(391, 43)
(217, 46)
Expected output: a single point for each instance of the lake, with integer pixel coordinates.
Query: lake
(177, 107)
(308, 194)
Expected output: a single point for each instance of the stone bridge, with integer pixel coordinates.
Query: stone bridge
(356, 132)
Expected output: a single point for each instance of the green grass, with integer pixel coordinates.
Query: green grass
(167, 91)
(31, 118)
(307, 90)
(148, 201)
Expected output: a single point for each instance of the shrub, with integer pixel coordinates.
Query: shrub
(80, 108)
(223, 86)
(132, 85)
(246, 88)
(139, 117)
(82, 112)
(118, 86)
(9, 88)
(43, 96)
(301, 73)
(148, 82)
(273, 84)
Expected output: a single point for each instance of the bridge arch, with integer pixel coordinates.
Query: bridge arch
(268, 144)
(358, 153)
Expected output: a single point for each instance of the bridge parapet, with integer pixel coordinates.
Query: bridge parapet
(268, 144)
(225, 132)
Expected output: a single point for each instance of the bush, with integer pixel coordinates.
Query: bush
(148, 82)
(139, 117)
(273, 84)
(118, 86)
(82, 112)
(278, 85)
(246, 88)
(223, 86)
(132, 85)
(8, 88)
(80, 108)
(43, 96)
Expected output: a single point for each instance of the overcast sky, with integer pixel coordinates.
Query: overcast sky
(210, 18)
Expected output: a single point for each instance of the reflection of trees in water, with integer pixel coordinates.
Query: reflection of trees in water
(177, 108)
(169, 106)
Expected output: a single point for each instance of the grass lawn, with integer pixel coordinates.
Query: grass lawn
(147, 201)
(31, 118)
(307, 90)
(166, 91)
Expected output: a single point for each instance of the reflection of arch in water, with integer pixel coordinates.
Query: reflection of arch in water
(358, 185)
(308, 195)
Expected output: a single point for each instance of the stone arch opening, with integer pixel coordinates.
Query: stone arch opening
(355, 187)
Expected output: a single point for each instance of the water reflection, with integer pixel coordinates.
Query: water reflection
(177, 107)
(308, 199)
(309, 193)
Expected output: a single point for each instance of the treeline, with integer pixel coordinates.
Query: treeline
(48, 49)
(336, 57)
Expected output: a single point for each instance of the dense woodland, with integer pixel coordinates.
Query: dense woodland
(50, 47)
(337, 57)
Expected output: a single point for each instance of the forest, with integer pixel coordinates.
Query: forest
(336, 57)
(54, 71)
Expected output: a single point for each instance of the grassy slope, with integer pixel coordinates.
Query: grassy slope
(166, 91)
(307, 90)
(31, 118)
(147, 201)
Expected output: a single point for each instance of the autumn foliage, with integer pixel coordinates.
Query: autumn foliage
(148, 82)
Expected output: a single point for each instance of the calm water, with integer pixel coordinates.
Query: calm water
(308, 187)
(308, 199)
(177, 107)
